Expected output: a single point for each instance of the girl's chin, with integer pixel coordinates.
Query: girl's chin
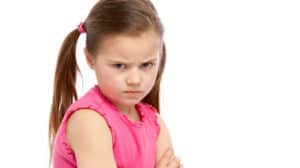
(130, 102)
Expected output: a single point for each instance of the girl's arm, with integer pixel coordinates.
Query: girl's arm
(164, 140)
(90, 138)
(165, 156)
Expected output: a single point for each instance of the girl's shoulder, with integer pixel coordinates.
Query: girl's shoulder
(83, 120)
(86, 131)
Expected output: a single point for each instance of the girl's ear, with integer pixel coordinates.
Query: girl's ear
(89, 59)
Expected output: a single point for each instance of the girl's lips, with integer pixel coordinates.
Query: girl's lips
(132, 91)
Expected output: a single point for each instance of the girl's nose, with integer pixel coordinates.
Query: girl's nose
(134, 78)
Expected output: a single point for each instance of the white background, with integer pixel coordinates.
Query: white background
(230, 93)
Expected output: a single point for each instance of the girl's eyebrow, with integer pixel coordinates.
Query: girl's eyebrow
(151, 59)
(123, 61)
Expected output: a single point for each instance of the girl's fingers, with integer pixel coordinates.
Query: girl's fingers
(174, 162)
(165, 159)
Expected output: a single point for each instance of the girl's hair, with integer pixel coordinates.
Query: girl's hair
(106, 18)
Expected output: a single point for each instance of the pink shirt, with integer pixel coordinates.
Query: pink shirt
(134, 143)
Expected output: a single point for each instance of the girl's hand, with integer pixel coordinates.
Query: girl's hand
(169, 160)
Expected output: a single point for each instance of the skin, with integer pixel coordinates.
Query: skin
(126, 63)
(123, 63)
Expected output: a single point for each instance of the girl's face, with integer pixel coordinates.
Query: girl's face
(126, 67)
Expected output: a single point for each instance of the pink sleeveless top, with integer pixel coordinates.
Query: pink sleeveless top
(134, 142)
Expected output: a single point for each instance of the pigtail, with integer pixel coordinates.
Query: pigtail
(64, 85)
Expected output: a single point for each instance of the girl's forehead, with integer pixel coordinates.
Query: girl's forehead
(125, 47)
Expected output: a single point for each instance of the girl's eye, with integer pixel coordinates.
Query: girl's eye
(147, 65)
(119, 66)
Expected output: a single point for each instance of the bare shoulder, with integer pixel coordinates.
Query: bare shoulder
(164, 139)
(90, 138)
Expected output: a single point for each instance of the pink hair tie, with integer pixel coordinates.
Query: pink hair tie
(81, 28)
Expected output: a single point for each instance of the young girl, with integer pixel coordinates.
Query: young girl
(116, 123)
